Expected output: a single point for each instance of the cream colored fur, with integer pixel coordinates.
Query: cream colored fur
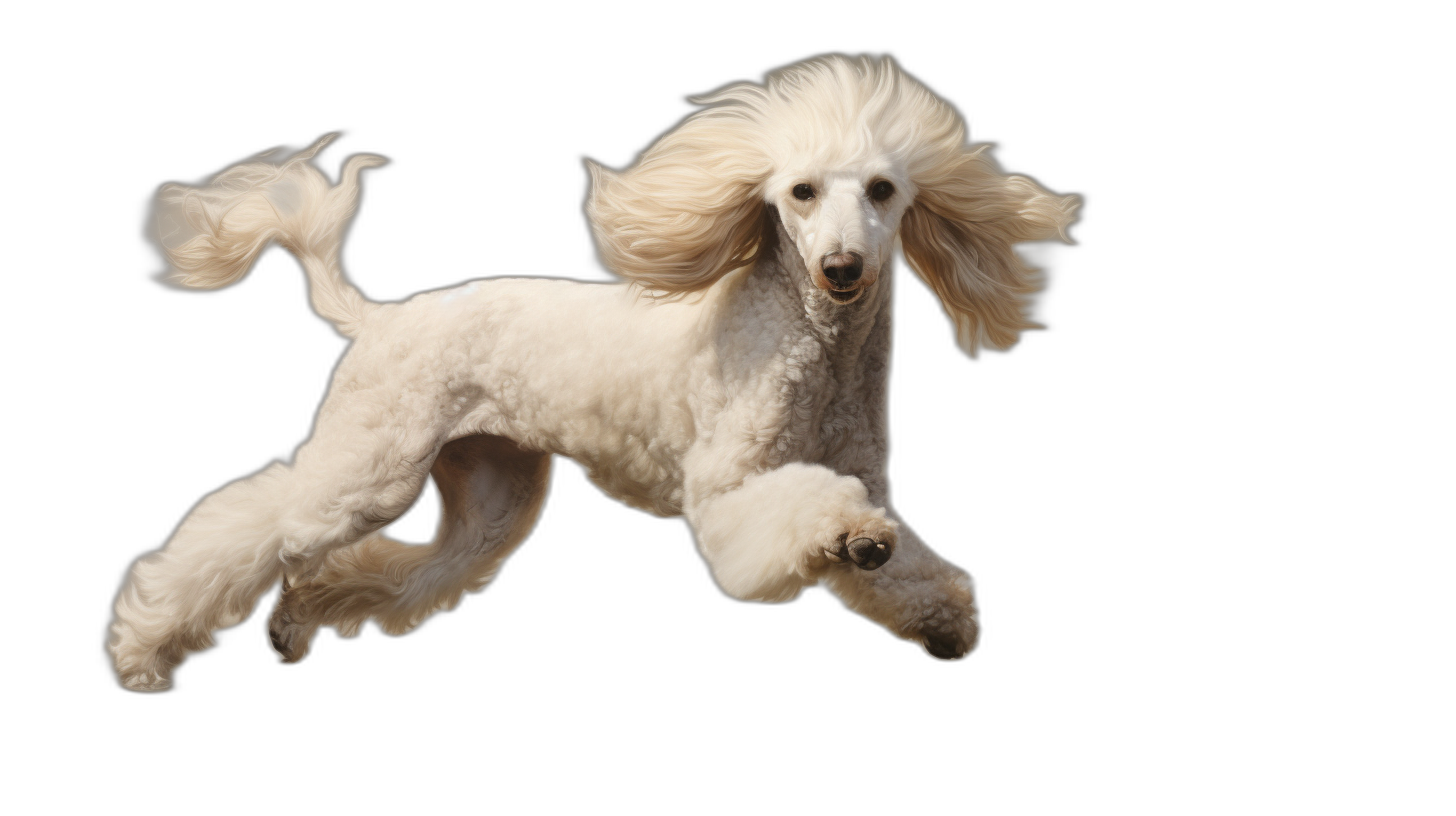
(730, 380)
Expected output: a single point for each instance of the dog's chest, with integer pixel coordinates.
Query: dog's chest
(820, 404)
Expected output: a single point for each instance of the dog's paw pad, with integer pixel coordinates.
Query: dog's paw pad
(946, 647)
(867, 549)
(869, 553)
(951, 640)
(863, 551)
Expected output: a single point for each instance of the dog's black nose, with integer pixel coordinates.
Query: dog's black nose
(843, 268)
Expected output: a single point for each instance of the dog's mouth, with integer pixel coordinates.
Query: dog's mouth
(845, 297)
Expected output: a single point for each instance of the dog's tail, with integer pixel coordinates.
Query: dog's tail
(212, 234)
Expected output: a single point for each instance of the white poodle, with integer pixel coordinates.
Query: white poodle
(736, 378)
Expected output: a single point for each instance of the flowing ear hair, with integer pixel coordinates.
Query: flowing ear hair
(958, 237)
(689, 211)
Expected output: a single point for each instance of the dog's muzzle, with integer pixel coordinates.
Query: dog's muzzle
(843, 271)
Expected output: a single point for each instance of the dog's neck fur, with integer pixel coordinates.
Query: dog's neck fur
(833, 360)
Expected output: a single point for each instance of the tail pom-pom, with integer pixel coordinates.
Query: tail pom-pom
(211, 234)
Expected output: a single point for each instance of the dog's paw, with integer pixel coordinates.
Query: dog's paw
(868, 546)
(951, 629)
(951, 645)
(150, 680)
(141, 667)
(288, 629)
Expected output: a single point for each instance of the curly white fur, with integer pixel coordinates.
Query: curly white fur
(738, 379)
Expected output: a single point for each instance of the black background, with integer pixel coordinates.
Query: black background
(1027, 468)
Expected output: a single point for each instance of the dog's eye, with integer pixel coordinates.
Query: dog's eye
(803, 192)
(881, 190)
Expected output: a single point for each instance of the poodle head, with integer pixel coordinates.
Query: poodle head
(849, 156)
(842, 216)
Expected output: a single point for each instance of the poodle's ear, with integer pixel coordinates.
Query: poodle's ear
(688, 212)
(958, 237)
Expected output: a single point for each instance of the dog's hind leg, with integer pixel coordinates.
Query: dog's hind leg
(492, 492)
(353, 477)
(222, 557)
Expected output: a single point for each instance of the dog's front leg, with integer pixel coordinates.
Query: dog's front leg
(917, 595)
(781, 530)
